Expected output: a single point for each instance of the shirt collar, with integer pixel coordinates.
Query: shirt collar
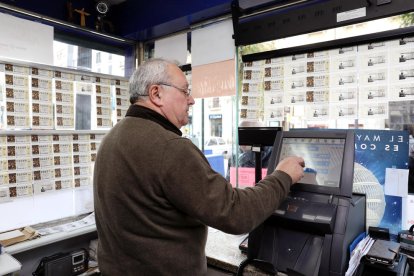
(149, 114)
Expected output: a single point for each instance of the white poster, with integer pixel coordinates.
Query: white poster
(25, 40)
(174, 48)
(213, 43)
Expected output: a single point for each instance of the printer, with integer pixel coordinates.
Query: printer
(310, 232)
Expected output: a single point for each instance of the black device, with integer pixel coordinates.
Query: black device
(400, 267)
(406, 239)
(383, 252)
(63, 264)
(264, 136)
(310, 232)
(379, 233)
(385, 257)
(257, 138)
(243, 246)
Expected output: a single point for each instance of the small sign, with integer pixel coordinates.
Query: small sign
(215, 116)
(352, 14)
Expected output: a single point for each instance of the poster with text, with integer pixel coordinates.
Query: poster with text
(381, 168)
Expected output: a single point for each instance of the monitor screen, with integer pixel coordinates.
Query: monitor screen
(323, 157)
(328, 155)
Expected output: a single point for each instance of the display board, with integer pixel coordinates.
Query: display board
(34, 41)
(353, 82)
(381, 172)
(51, 124)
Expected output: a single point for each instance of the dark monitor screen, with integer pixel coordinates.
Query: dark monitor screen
(263, 136)
(328, 155)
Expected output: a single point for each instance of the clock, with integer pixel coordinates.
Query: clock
(102, 7)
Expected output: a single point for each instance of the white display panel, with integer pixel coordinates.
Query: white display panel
(174, 48)
(26, 40)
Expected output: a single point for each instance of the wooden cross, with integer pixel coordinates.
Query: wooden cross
(82, 13)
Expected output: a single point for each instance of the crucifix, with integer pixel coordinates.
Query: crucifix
(82, 13)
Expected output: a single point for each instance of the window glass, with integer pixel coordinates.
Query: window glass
(219, 116)
(77, 57)
(369, 27)
(380, 73)
(212, 122)
(211, 142)
(297, 117)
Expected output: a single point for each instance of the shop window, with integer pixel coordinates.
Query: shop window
(216, 125)
(73, 56)
(369, 27)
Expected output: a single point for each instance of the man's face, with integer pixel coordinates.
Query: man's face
(176, 103)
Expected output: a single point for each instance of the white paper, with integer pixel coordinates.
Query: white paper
(11, 235)
(396, 182)
(409, 207)
(360, 250)
(68, 227)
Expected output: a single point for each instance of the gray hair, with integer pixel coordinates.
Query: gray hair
(152, 72)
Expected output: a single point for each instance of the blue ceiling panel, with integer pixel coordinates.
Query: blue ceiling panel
(57, 9)
(162, 19)
(134, 19)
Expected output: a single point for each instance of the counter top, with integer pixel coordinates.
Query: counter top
(222, 251)
(72, 229)
(8, 264)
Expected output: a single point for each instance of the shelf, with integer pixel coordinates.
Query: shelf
(51, 132)
(48, 239)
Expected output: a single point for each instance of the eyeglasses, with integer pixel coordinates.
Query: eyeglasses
(186, 91)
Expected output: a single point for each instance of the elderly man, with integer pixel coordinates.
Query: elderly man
(155, 193)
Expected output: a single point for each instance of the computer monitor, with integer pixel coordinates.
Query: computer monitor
(328, 155)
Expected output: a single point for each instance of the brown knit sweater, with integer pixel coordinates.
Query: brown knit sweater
(155, 193)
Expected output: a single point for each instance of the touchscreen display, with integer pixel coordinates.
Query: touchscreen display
(323, 158)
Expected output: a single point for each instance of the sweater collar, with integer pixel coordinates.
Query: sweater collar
(149, 114)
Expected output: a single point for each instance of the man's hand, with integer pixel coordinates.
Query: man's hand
(293, 166)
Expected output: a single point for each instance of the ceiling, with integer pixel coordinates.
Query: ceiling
(134, 19)
(115, 2)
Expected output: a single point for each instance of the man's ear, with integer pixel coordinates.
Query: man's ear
(154, 94)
